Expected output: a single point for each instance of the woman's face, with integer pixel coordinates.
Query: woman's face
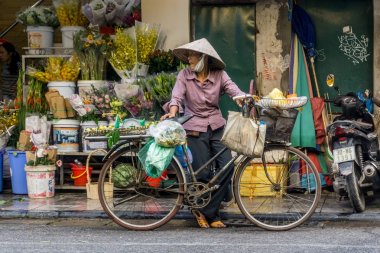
(193, 58)
(4, 55)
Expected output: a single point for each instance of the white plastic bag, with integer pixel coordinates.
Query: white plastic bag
(168, 133)
(243, 135)
(126, 90)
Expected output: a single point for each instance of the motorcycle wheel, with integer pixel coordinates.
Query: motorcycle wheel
(355, 194)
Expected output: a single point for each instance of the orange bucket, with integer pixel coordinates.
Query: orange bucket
(79, 174)
(156, 182)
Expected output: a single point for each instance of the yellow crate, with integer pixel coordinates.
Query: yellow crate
(254, 182)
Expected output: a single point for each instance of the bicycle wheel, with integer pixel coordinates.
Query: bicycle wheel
(136, 201)
(278, 191)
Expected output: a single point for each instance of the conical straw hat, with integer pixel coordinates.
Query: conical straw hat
(201, 46)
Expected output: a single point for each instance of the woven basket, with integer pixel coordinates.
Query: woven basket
(92, 188)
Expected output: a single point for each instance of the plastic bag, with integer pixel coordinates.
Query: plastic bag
(181, 156)
(168, 133)
(155, 158)
(243, 135)
(126, 90)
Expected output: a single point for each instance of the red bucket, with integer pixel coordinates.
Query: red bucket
(79, 174)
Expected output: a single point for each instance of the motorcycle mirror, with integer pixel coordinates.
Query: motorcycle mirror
(330, 80)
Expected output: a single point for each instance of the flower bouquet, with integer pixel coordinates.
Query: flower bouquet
(104, 102)
(159, 87)
(139, 106)
(123, 57)
(69, 12)
(122, 13)
(146, 41)
(132, 48)
(92, 49)
(38, 16)
(57, 69)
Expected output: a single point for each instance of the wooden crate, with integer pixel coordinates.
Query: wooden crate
(254, 181)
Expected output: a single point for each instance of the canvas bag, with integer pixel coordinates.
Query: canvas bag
(243, 135)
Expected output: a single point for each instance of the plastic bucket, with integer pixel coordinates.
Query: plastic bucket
(40, 181)
(79, 174)
(17, 161)
(66, 135)
(87, 145)
(65, 88)
(68, 33)
(85, 86)
(40, 37)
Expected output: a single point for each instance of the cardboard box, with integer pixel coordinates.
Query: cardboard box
(24, 142)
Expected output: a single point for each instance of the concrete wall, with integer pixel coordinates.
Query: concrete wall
(272, 39)
(8, 15)
(174, 17)
(273, 44)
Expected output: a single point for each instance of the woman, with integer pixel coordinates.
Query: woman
(199, 88)
(11, 65)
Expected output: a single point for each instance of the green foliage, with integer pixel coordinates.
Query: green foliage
(40, 161)
(38, 16)
(162, 61)
(113, 137)
(158, 87)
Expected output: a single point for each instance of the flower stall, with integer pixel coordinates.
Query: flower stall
(114, 81)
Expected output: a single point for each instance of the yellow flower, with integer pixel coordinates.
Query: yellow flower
(90, 37)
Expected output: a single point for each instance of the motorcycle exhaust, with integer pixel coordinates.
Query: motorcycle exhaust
(371, 175)
(369, 170)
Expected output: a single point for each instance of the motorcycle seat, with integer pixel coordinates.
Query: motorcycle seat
(365, 127)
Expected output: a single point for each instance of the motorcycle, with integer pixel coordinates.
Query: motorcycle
(354, 144)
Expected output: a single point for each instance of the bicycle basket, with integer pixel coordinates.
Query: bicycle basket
(286, 103)
(279, 123)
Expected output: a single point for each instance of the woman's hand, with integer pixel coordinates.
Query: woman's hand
(168, 115)
(240, 102)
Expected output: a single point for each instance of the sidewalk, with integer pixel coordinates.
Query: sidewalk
(76, 205)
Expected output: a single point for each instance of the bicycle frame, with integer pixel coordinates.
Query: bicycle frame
(214, 179)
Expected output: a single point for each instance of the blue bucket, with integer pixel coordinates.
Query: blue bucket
(17, 161)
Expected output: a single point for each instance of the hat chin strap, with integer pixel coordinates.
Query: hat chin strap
(200, 65)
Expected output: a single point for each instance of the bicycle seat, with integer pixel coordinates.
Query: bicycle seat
(181, 119)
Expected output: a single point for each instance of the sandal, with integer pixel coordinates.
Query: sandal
(217, 224)
(201, 219)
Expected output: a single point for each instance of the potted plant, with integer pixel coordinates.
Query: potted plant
(40, 171)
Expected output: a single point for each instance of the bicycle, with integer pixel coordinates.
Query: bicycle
(267, 190)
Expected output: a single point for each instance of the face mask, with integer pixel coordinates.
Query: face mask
(200, 65)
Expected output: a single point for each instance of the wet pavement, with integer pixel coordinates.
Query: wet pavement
(76, 205)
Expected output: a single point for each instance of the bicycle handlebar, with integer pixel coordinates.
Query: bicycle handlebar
(243, 96)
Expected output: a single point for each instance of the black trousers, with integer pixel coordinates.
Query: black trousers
(203, 147)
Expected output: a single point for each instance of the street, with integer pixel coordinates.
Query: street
(102, 235)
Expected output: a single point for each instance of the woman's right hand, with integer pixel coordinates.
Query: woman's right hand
(168, 115)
